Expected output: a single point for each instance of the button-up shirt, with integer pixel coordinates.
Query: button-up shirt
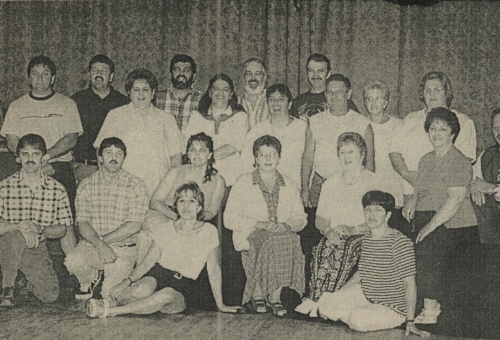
(45, 205)
(180, 108)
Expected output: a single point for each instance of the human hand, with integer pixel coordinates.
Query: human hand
(118, 288)
(412, 329)
(281, 228)
(332, 237)
(32, 238)
(409, 209)
(424, 232)
(478, 198)
(106, 253)
(480, 185)
(231, 309)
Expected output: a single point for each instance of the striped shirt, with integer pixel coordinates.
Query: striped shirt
(180, 108)
(271, 198)
(47, 205)
(108, 204)
(383, 265)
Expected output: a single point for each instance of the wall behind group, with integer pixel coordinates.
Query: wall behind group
(365, 40)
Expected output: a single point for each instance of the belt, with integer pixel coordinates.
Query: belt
(87, 161)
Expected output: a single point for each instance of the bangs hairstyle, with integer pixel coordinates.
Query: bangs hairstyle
(445, 81)
(197, 195)
(209, 143)
(353, 138)
(112, 141)
(141, 74)
(380, 198)
(42, 60)
(281, 89)
(183, 58)
(445, 115)
(101, 58)
(377, 85)
(266, 140)
(319, 58)
(35, 141)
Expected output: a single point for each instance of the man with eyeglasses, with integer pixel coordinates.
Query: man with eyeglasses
(411, 142)
(180, 99)
(94, 103)
(253, 99)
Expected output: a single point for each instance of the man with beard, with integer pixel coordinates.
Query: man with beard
(94, 103)
(110, 209)
(180, 99)
(485, 188)
(254, 99)
(33, 207)
(313, 101)
(54, 117)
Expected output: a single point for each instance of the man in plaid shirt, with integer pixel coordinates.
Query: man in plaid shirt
(180, 99)
(33, 207)
(110, 209)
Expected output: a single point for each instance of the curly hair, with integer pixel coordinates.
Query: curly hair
(209, 143)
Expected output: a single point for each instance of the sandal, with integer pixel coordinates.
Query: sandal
(97, 308)
(277, 308)
(259, 306)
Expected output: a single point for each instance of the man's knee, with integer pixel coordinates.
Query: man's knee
(74, 260)
(49, 292)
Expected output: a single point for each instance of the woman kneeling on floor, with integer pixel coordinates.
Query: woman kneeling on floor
(382, 293)
(163, 281)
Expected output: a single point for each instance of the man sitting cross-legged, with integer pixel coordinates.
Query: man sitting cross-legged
(110, 209)
(33, 207)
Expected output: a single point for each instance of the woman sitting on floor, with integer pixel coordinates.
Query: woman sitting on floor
(382, 294)
(163, 281)
(265, 212)
(200, 159)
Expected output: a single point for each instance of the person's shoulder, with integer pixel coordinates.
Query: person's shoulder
(54, 184)
(244, 179)
(10, 180)
(462, 116)
(20, 101)
(80, 95)
(415, 115)
(399, 240)
(63, 98)
(120, 110)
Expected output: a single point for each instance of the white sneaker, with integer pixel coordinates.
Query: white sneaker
(306, 306)
(86, 290)
(428, 316)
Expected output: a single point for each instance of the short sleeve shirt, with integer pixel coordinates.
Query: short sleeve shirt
(47, 205)
(52, 118)
(151, 139)
(383, 266)
(108, 204)
(435, 176)
(185, 254)
(93, 111)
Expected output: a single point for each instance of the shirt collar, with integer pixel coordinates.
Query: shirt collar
(256, 179)
(20, 178)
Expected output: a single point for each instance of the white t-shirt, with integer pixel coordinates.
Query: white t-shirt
(185, 254)
(326, 129)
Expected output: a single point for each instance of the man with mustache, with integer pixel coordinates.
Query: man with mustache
(94, 103)
(254, 99)
(180, 99)
(485, 188)
(33, 207)
(110, 209)
(53, 116)
(313, 101)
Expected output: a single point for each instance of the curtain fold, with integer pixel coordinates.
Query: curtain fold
(365, 40)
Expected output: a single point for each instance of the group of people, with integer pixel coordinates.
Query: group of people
(322, 202)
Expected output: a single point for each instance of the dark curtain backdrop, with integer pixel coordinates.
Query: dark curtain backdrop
(365, 40)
